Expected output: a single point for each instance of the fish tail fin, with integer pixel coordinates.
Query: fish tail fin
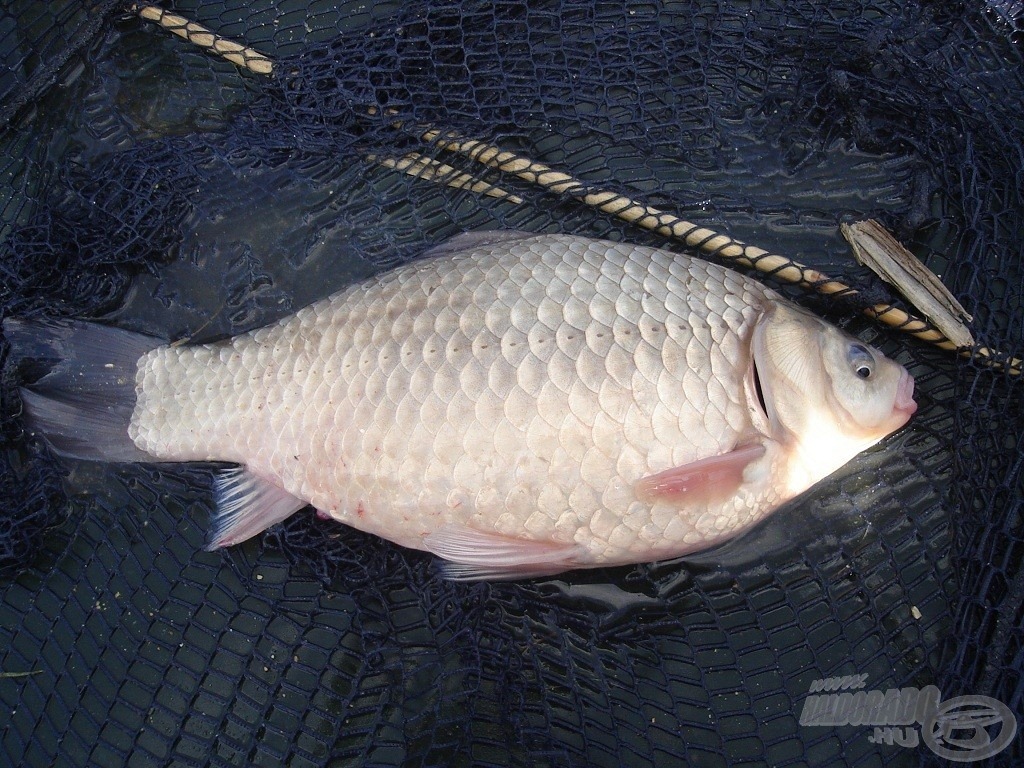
(79, 385)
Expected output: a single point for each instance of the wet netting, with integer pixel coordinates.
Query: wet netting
(150, 182)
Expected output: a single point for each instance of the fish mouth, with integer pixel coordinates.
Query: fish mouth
(904, 404)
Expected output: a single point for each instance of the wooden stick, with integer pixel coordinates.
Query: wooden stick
(878, 250)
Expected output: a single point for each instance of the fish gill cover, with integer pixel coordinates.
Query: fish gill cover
(164, 189)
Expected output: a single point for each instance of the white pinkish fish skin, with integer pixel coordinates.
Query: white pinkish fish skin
(524, 405)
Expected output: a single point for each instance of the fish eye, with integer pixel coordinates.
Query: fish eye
(861, 361)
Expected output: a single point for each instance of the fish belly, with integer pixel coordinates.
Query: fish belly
(516, 388)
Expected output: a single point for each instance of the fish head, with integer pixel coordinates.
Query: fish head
(827, 396)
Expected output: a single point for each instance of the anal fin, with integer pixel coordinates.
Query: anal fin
(702, 481)
(247, 505)
(472, 555)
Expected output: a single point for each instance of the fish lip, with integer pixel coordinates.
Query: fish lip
(904, 403)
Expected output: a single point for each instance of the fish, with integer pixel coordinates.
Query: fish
(516, 404)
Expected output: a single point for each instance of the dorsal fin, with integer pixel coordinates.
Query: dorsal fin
(470, 241)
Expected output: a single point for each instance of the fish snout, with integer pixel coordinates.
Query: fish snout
(904, 406)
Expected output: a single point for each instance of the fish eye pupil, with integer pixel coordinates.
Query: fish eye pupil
(861, 360)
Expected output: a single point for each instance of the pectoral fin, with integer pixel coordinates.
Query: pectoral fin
(471, 555)
(703, 481)
(247, 505)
